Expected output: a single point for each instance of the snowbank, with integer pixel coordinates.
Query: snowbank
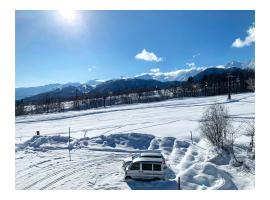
(39, 143)
(198, 166)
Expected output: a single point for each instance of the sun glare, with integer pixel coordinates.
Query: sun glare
(69, 15)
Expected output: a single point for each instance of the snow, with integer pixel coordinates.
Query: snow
(102, 138)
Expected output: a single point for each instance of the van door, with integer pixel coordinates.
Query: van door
(147, 171)
(135, 170)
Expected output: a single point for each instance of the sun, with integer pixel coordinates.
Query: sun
(69, 15)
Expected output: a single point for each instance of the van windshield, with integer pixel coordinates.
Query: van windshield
(135, 166)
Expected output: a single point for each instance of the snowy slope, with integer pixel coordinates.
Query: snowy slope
(102, 138)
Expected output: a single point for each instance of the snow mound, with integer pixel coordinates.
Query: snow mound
(198, 172)
(165, 144)
(129, 140)
(206, 176)
(180, 148)
(221, 158)
(42, 143)
(136, 141)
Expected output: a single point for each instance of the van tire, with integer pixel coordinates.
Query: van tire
(156, 179)
(127, 178)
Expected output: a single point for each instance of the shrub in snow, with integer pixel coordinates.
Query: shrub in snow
(215, 125)
(250, 131)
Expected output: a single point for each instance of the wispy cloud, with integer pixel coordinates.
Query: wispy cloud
(196, 55)
(92, 68)
(192, 64)
(155, 70)
(249, 39)
(148, 56)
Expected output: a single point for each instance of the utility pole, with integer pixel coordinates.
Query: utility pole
(229, 86)
(205, 88)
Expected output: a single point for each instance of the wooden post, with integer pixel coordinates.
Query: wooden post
(69, 144)
(191, 137)
(179, 188)
(68, 137)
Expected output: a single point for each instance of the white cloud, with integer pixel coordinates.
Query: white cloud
(220, 66)
(91, 68)
(250, 38)
(192, 64)
(155, 70)
(196, 55)
(148, 56)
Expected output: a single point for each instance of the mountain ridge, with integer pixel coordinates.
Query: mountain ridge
(177, 75)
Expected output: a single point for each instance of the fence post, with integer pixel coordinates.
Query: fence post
(191, 137)
(68, 137)
(179, 188)
(69, 144)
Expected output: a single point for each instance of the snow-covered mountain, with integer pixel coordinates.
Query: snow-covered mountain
(184, 74)
(242, 65)
(177, 75)
(65, 92)
(94, 82)
(129, 84)
(24, 92)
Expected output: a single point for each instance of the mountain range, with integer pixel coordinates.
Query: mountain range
(184, 74)
(149, 80)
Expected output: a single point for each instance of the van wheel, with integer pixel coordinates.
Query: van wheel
(127, 178)
(156, 179)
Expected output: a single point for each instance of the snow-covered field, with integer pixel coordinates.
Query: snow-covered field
(102, 138)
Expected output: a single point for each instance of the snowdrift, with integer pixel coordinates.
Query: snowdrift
(196, 164)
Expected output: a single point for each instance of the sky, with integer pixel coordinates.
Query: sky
(77, 46)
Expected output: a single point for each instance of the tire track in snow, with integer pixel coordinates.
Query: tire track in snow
(48, 167)
(53, 174)
(65, 176)
(67, 172)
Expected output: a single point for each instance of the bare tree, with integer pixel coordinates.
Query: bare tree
(232, 134)
(250, 131)
(217, 128)
(250, 84)
(215, 125)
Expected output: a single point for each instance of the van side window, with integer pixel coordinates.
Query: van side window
(146, 166)
(135, 166)
(157, 167)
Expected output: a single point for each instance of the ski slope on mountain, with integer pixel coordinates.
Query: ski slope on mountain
(102, 138)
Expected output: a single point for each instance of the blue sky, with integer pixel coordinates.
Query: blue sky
(61, 47)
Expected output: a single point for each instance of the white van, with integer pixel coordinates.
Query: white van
(152, 155)
(145, 168)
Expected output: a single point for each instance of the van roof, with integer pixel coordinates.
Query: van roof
(146, 159)
(151, 154)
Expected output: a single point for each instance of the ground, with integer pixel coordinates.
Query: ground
(102, 138)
